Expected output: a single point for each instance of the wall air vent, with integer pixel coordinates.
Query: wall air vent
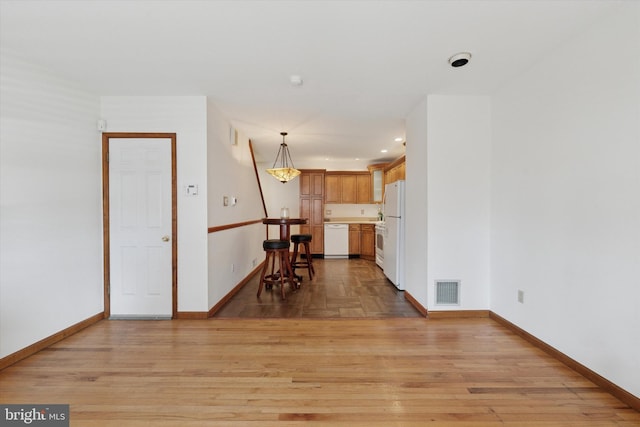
(447, 292)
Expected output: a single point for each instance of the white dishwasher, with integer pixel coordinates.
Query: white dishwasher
(336, 241)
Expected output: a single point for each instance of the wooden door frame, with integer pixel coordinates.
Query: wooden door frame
(105, 215)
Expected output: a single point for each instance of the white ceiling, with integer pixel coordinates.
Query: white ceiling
(365, 64)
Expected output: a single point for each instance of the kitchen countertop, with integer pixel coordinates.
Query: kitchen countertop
(352, 220)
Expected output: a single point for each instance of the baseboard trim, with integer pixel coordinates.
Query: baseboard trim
(414, 302)
(458, 314)
(48, 341)
(234, 291)
(600, 381)
(191, 315)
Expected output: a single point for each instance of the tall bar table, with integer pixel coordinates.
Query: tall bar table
(285, 225)
(285, 233)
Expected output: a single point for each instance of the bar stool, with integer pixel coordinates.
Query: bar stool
(305, 240)
(276, 248)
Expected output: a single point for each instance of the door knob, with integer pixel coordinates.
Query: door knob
(165, 238)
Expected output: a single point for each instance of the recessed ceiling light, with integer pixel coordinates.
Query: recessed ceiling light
(460, 59)
(383, 151)
(398, 139)
(296, 80)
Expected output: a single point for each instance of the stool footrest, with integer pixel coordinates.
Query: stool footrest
(304, 240)
(275, 248)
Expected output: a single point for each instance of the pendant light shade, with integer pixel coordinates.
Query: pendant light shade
(283, 169)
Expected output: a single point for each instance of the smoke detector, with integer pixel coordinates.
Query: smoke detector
(460, 59)
(295, 80)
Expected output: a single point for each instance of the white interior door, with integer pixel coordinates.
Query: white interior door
(140, 227)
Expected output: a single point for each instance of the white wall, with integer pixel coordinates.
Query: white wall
(416, 204)
(448, 201)
(352, 210)
(50, 205)
(566, 199)
(458, 197)
(232, 253)
(187, 117)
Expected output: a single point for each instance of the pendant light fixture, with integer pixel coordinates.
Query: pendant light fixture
(283, 169)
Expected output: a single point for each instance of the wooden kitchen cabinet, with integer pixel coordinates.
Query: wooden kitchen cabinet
(377, 182)
(312, 184)
(395, 170)
(312, 192)
(347, 187)
(362, 241)
(354, 239)
(332, 187)
(363, 188)
(368, 241)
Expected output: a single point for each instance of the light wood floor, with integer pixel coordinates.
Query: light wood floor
(332, 372)
(340, 288)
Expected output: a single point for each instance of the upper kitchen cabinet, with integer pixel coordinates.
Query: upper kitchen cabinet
(347, 187)
(312, 183)
(377, 182)
(395, 170)
(363, 188)
(332, 188)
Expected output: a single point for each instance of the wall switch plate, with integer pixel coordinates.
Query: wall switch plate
(520, 296)
(225, 200)
(233, 135)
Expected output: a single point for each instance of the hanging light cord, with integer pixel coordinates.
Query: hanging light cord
(286, 156)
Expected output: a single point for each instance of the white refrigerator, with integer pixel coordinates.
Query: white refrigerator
(394, 233)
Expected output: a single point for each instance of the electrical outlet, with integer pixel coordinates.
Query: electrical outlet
(520, 296)
(361, 211)
(225, 200)
(328, 212)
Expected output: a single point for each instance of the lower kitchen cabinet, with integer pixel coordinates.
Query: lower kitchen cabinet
(354, 239)
(368, 241)
(362, 241)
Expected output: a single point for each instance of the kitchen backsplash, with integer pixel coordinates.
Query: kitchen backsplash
(350, 210)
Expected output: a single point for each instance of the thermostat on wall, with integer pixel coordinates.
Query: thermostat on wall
(191, 190)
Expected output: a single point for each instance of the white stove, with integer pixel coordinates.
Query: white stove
(380, 228)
